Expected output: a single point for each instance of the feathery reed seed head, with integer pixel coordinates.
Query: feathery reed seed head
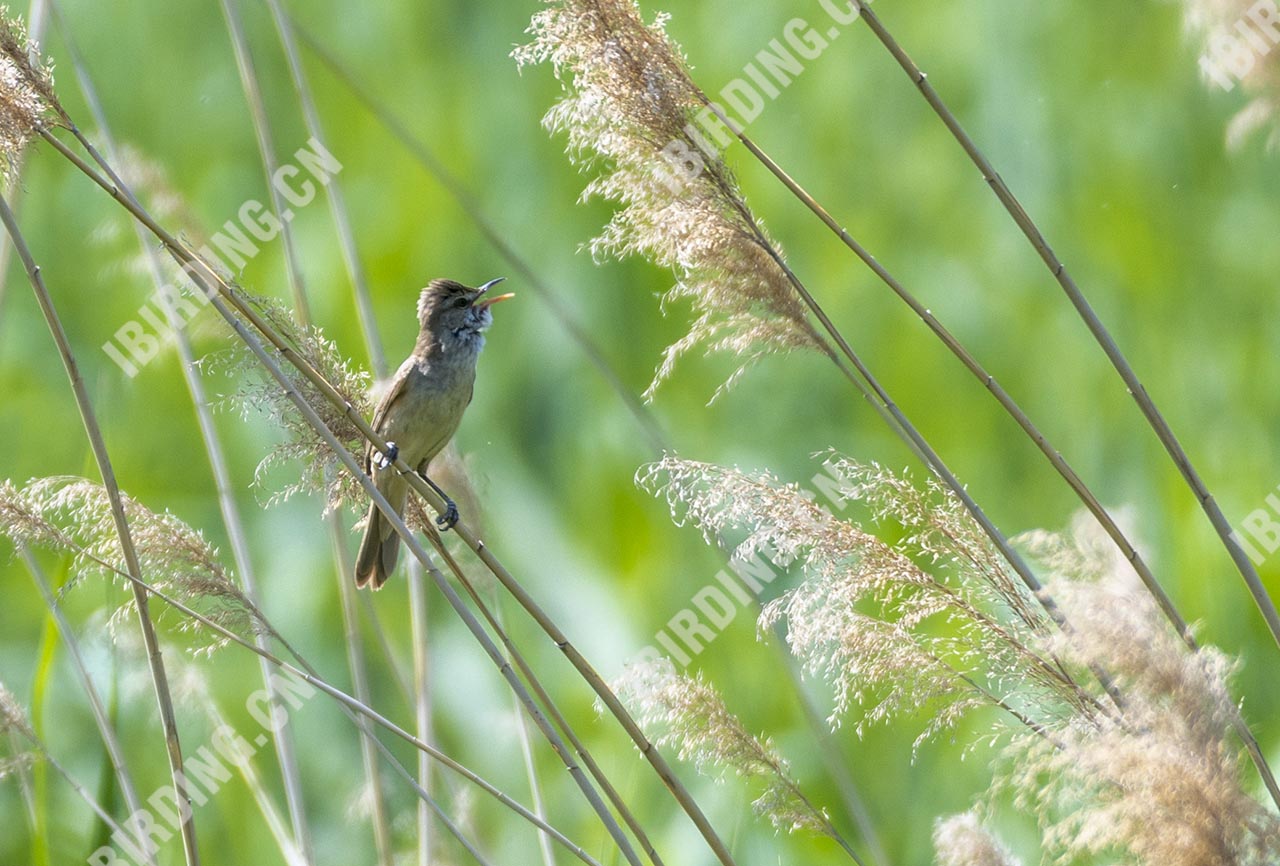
(629, 101)
(73, 516)
(687, 713)
(1161, 782)
(1252, 59)
(27, 97)
(925, 623)
(256, 392)
(961, 840)
(13, 721)
(13, 718)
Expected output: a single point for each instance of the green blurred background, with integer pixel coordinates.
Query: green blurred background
(1093, 113)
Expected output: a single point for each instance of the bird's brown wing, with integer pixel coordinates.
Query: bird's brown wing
(384, 406)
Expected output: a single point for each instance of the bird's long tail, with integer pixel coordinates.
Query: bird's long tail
(379, 550)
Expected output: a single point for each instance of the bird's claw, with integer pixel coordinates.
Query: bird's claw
(386, 459)
(450, 517)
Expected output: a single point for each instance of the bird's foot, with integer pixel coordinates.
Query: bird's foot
(386, 459)
(450, 517)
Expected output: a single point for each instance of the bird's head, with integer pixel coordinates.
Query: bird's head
(452, 313)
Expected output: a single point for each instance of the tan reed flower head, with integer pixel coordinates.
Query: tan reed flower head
(22, 522)
(17, 763)
(961, 840)
(688, 713)
(27, 98)
(13, 721)
(73, 516)
(896, 629)
(1239, 45)
(1161, 782)
(13, 718)
(628, 110)
(937, 529)
(256, 392)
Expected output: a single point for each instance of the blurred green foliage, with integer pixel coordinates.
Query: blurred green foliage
(1094, 115)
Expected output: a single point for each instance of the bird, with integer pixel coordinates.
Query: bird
(421, 410)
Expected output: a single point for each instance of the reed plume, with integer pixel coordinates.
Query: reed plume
(253, 392)
(628, 113)
(73, 516)
(27, 98)
(923, 622)
(14, 724)
(931, 621)
(1162, 782)
(961, 840)
(1239, 39)
(686, 712)
(311, 464)
(13, 719)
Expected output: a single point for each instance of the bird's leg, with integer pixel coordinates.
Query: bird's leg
(382, 461)
(450, 517)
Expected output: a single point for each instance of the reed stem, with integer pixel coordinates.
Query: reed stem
(97, 443)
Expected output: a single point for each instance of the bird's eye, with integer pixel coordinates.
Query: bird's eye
(460, 303)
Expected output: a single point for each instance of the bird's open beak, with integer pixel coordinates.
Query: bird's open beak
(489, 302)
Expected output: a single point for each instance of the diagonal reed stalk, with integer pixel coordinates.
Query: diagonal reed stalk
(282, 738)
(115, 753)
(72, 782)
(337, 203)
(267, 152)
(351, 706)
(422, 702)
(580, 749)
(302, 310)
(1100, 333)
(1006, 401)
(474, 210)
(253, 94)
(37, 19)
(151, 642)
(221, 295)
